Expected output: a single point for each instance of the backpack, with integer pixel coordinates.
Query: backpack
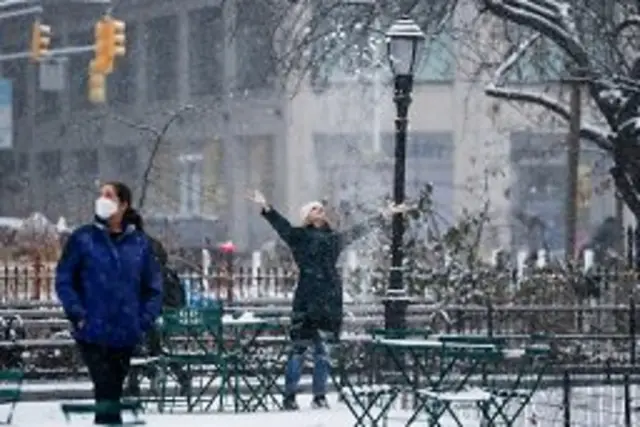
(173, 292)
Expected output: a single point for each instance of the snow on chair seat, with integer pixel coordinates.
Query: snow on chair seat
(10, 391)
(369, 404)
(364, 390)
(438, 403)
(468, 395)
(144, 361)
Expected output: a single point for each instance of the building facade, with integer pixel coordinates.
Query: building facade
(330, 139)
(177, 54)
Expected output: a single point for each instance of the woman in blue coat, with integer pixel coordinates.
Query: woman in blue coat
(317, 302)
(110, 286)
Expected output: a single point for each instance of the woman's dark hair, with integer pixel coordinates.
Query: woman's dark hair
(125, 195)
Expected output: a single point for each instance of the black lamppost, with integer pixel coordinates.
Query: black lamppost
(404, 43)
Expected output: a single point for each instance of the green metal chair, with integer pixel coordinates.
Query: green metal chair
(453, 389)
(10, 390)
(194, 342)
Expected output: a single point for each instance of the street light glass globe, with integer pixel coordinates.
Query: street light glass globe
(405, 41)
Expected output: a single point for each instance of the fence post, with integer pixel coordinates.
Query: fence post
(630, 247)
(489, 319)
(636, 249)
(632, 331)
(566, 398)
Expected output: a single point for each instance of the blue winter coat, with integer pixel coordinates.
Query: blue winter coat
(111, 290)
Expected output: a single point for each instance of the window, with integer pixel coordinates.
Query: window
(85, 163)
(49, 164)
(543, 62)
(17, 72)
(122, 83)
(78, 71)
(255, 55)
(213, 186)
(161, 42)
(206, 51)
(261, 164)
(348, 48)
(7, 164)
(539, 190)
(190, 184)
(421, 145)
(437, 60)
(259, 167)
(351, 43)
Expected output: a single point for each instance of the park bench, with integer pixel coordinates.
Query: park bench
(10, 391)
(132, 406)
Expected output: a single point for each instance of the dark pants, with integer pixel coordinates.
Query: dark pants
(108, 368)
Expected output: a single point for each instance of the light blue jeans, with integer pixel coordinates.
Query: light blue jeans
(321, 366)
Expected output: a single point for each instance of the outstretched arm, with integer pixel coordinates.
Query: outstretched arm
(281, 225)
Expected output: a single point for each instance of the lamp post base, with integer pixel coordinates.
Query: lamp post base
(395, 310)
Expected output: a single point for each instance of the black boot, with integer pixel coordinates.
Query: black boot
(319, 401)
(289, 403)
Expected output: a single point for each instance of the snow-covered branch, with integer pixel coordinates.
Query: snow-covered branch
(496, 89)
(553, 21)
(597, 135)
(512, 60)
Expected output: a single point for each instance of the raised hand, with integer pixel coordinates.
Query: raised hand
(258, 198)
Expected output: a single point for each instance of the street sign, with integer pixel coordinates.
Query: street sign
(52, 74)
(6, 115)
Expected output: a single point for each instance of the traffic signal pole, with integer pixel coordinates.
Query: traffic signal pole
(63, 51)
(22, 12)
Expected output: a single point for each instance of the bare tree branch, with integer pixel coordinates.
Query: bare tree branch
(158, 136)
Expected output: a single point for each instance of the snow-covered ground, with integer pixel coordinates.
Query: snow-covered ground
(591, 407)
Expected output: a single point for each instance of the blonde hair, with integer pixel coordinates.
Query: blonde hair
(306, 209)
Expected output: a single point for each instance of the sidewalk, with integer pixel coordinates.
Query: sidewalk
(48, 414)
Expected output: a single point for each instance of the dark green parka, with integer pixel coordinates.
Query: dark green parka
(317, 303)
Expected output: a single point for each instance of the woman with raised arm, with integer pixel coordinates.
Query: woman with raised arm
(317, 303)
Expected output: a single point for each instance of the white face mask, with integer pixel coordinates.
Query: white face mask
(105, 208)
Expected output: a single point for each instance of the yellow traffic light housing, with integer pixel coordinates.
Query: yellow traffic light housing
(102, 62)
(118, 41)
(97, 85)
(110, 41)
(40, 40)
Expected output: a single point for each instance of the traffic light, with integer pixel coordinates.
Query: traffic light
(40, 40)
(110, 41)
(97, 85)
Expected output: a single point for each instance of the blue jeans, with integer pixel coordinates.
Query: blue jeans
(321, 366)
